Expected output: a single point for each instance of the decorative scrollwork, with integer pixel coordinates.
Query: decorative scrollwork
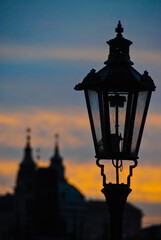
(102, 171)
(131, 171)
(117, 165)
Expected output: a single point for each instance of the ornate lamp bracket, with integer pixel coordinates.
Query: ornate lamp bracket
(117, 166)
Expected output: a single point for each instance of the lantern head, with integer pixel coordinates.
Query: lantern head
(117, 98)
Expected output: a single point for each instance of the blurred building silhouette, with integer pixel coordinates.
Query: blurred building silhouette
(98, 222)
(44, 206)
(148, 233)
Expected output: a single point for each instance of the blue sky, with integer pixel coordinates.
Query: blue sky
(31, 30)
(46, 47)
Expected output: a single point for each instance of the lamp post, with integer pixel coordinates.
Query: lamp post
(117, 98)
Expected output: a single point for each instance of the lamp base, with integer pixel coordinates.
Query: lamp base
(116, 196)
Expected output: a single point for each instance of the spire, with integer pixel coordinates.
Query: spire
(57, 144)
(56, 160)
(27, 170)
(119, 29)
(119, 48)
(28, 159)
(28, 136)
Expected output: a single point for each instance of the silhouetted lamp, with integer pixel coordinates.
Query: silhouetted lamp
(117, 98)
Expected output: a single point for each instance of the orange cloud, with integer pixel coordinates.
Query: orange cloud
(8, 168)
(44, 123)
(154, 119)
(151, 220)
(86, 176)
(146, 181)
(47, 123)
(8, 171)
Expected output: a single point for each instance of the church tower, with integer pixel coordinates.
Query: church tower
(24, 193)
(27, 170)
(56, 161)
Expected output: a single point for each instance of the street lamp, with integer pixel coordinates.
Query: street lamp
(117, 98)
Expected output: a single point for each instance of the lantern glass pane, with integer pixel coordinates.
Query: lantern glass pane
(117, 110)
(94, 105)
(140, 108)
(130, 103)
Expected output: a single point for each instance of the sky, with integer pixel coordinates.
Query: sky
(46, 48)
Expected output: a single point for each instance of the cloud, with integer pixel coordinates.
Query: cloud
(73, 127)
(154, 119)
(8, 170)
(151, 141)
(86, 176)
(146, 183)
(151, 213)
(75, 140)
(152, 57)
(29, 53)
(45, 123)
(24, 53)
(151, 220)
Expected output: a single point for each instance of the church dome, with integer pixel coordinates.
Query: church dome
(69, 193)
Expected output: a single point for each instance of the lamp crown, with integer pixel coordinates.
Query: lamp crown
(119, 48)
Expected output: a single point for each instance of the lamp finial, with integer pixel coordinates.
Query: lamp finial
(119, 29)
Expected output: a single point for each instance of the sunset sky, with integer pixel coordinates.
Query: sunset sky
(46, 48)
